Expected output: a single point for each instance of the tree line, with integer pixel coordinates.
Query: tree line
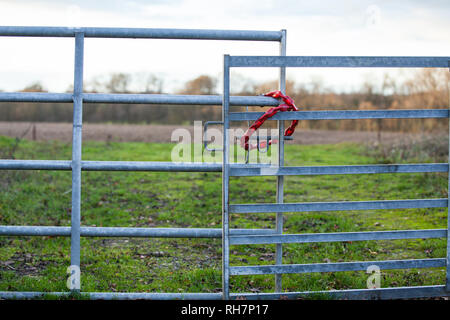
(426, 89)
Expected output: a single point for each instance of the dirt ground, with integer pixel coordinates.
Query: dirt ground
(43, 131)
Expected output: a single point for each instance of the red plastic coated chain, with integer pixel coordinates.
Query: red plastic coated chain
(288, 105)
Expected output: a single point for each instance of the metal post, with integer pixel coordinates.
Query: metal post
(280, 179)
(76, 153)
(225, 182)
(447, 283)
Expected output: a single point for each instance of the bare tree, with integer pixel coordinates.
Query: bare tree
(118, 83)
(201, 85)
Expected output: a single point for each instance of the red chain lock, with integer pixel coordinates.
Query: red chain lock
(288, 105)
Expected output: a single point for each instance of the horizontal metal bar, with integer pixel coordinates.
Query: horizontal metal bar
(35, 165)
(339, 206)
(350, 294)
(35, 97)
(236, 170)
(172, 99)
(178, 99)
(339, 61)
(159, 166)
(150, 166)
(345, 115)
(322, 170)
(354, 294)
(339, 236)
(127, 232)
(111, 165)
(338, 267)
(264, 138)
(201, 34)
(113, 295)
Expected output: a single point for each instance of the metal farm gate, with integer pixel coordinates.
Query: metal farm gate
(75, 231)
(280, 171)
(234, 236)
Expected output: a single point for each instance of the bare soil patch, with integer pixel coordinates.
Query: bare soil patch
(44, 131)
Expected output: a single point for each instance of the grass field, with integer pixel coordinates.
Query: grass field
(142, 199)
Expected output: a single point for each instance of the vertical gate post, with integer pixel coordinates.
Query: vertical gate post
(225, 182)
(280, 178)
(447, 282)
(76, 156)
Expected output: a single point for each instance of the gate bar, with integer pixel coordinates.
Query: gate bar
(172, 99)
(339, 62)
(352, 294)
(324, 170)
(338, 236)
(143, 33)
(114, 295)
(159, 166)
(236, 170)
(355, 294)
(345, 114)
(36, 97)
(338, 267)
(127, 232)
(339, 206)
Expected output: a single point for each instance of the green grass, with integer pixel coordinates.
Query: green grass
(146, 199)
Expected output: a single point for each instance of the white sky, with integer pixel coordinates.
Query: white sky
(352, 27)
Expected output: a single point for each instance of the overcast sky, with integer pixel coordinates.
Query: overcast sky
(353, 27)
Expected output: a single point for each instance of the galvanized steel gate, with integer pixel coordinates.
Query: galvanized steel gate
(75, 231)
(234, 236)
(280, 171)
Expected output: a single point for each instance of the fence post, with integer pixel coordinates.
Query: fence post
(76, 155)
(225, 182)
(280, 178)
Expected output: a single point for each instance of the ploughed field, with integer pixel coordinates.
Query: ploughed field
(47, 131)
